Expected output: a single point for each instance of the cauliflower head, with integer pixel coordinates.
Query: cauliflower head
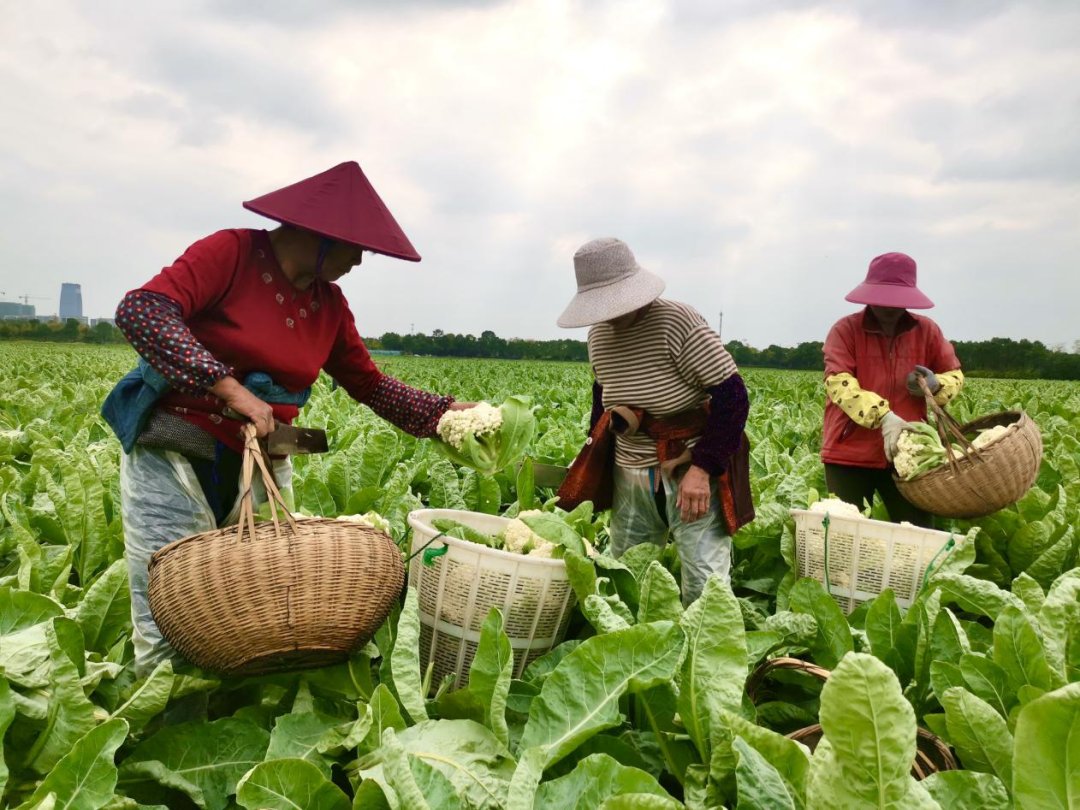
(481, 420)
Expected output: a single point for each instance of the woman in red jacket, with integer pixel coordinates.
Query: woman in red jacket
(873, 359)
(241, 325)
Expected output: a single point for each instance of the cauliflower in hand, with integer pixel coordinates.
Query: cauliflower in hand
(481, 420)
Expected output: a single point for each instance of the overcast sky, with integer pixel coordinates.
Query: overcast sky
(755, 154)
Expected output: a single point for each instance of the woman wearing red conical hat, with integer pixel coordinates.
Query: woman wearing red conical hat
(873, 359)
(242, 324)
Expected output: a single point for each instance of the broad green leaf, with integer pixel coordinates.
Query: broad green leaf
(25, 618)
(347, 736)
(790, 759)
(987, 681)
(289, 784)
(865, 759)
(1029, 591)
(1047, 751)
(759, 783)
(371, 796)
(603, 616)
(555, 530)
(1018, 650)
(85, 777)
(1060, 623)
(1053, 561)
(526, 485)
(71, 714)
(385, 713)
(581, 697)
(944, 676)
(149, 699)
(834, 634)
(659, 596)
(465, 753)
(543, 666)
(974, 595)
(639, 801)
(490, 673)
(961, 789)
(714, 669)
(948, 641)
(203, 760)
(316, 499)
(978, 733)
(7, 714)
(298, 735)
(405, 659)
(104, 613)
(594, 779)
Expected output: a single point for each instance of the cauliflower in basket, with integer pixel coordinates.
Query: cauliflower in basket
(372, 519)
(991, 435)
(480, 420)
(520, 539)
(835, 506)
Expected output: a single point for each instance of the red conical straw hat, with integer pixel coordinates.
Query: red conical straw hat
(341, 204)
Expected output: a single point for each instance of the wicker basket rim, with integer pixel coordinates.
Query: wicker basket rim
(967, 463)
(229, 532)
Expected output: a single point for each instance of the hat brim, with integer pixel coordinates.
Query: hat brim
(889, 295)
(621, 297)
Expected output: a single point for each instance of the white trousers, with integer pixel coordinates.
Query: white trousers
(704, 546)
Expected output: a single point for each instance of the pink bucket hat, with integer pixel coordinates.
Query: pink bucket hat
(890, 282)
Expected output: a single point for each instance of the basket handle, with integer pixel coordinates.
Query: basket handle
(948, 428)
(254, 455)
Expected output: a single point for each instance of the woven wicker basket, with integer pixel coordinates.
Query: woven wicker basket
(932, 754)
(981, 483)
(273, 596)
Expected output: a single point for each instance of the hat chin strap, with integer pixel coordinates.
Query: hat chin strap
(325, 243)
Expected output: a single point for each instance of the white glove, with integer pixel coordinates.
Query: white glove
(891, 428)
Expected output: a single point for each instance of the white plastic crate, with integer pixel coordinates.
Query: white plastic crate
(458, 591)
(864, 557)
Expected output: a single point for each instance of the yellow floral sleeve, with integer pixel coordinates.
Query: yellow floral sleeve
(864, 407)
(951, 383)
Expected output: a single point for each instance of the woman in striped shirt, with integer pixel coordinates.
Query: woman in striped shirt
(660, 357)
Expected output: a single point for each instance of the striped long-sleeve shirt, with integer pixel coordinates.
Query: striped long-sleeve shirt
(664, 364)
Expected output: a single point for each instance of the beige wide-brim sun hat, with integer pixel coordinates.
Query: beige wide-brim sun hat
(610, 283)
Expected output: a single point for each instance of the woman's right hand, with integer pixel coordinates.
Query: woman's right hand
(239, 399)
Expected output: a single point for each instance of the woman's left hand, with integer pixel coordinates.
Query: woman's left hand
(695, 495)
(461, 406)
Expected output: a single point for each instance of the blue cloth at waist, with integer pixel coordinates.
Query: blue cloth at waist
(129, 405)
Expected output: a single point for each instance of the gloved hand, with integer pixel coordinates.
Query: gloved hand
(913, 381)
(891, 428)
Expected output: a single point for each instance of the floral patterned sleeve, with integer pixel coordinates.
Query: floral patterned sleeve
(153, 325)
(414, 411)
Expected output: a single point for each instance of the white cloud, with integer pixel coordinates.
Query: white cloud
(756, 155)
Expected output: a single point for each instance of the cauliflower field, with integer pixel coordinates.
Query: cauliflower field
(647, 704)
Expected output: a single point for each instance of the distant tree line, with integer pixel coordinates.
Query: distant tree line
(69, 331)
(998, 357)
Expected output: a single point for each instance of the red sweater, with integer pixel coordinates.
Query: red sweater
(244, 316)
(856, 345)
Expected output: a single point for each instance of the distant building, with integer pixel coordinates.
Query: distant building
(9, 309)
(96, 321)
(70, 301)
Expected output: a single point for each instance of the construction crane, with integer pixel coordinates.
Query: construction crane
(26, 298)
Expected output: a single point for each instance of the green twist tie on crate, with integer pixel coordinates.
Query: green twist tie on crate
(828, 584)
(431, 553)
(946, 550)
